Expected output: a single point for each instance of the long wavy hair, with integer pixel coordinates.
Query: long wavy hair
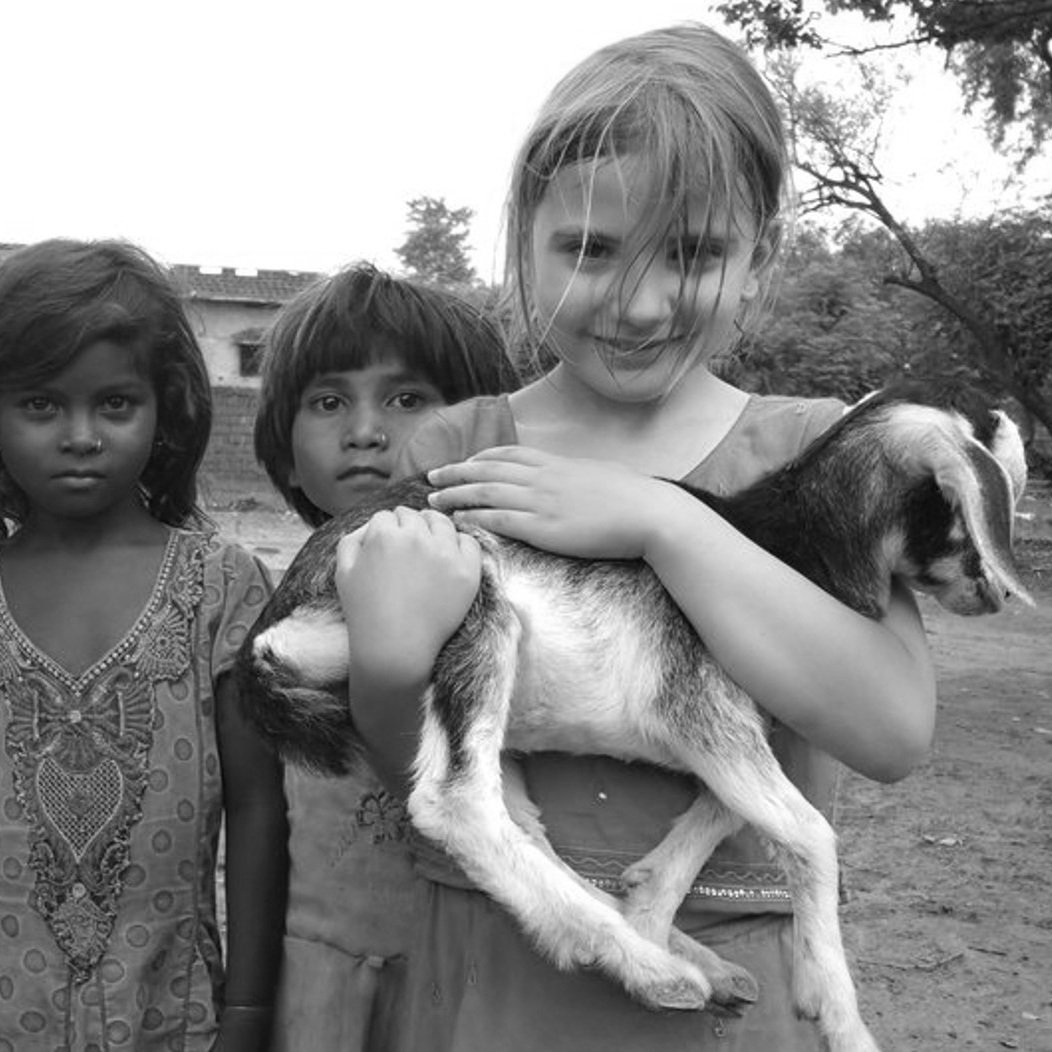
(60, 296)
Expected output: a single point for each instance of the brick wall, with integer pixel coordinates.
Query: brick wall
(230, 476)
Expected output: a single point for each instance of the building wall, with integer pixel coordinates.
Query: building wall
(230, 475)
(215, 324)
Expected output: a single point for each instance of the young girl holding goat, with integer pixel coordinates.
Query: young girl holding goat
(123, 745)
(645, 216)
(352, 366)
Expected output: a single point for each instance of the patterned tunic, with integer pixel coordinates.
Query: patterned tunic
(110, 808)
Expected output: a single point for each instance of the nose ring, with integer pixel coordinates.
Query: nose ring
(382, 440)
(96, 446)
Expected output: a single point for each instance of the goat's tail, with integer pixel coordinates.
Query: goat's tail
(293, 686)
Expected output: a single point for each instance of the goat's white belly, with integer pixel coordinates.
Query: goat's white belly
(583, 684)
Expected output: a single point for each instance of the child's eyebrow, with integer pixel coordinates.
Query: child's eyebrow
(414, 376)
(49, 386)
(123, 383)
(573, 228)
(323, 380)
(585, 232)
(338, 377)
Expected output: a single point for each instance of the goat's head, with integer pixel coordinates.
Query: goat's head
(963, 477)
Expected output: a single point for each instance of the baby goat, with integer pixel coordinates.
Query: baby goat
(895, 488)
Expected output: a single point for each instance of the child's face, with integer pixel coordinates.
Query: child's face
(622, 316)
(77, 443)
(350, 427)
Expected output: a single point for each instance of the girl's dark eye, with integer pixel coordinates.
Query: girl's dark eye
(588, 248)
(38, 404)
(409, 400)
(327, 403)
(695, 253)
(594, 248)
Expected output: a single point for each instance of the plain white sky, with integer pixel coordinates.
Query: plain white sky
(291, 135)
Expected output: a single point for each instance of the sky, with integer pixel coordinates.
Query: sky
(292, 135)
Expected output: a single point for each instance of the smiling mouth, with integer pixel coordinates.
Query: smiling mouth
(641, 349)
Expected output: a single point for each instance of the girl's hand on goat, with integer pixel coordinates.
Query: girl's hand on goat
(405, 579)
(584, 508)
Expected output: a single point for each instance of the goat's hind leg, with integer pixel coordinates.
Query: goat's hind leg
(657, 884)
(738, 766)
(732, 987)
(457, 802)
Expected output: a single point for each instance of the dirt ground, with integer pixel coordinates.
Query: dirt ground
(947, 874)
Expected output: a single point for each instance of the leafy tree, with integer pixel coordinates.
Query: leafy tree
(1001, 50)
(842, 326)
(836, 141)
(434, 250)
(832, 331)
(1002, 268)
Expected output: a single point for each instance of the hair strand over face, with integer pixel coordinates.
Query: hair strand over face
(689, 103)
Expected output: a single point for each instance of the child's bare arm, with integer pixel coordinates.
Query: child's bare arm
(860, 689)
(865, 692)
(256, 875)
(406, 580)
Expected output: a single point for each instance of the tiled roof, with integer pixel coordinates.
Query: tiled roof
(228, 284)
(241, 286)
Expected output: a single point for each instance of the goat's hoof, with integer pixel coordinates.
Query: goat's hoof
(670, 982)
(679, 994)
(807, 996)
(806, 1012)
(735, 990)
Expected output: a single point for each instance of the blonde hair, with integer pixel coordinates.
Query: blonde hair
(686, 99)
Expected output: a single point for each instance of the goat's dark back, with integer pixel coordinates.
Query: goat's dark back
(821, 512)
(828, 512)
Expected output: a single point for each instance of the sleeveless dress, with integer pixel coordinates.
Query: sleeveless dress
(475, 983)
(110, 811)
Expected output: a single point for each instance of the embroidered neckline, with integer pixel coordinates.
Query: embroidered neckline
(77, 684)
(80, 746)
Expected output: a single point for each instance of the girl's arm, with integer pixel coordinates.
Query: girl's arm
(859, 689)
(256, 875)
(406, 580)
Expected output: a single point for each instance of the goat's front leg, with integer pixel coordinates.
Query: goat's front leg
(650, 904)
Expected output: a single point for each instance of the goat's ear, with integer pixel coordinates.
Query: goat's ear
(972, 480)
(940, 444)
(1006, 444)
